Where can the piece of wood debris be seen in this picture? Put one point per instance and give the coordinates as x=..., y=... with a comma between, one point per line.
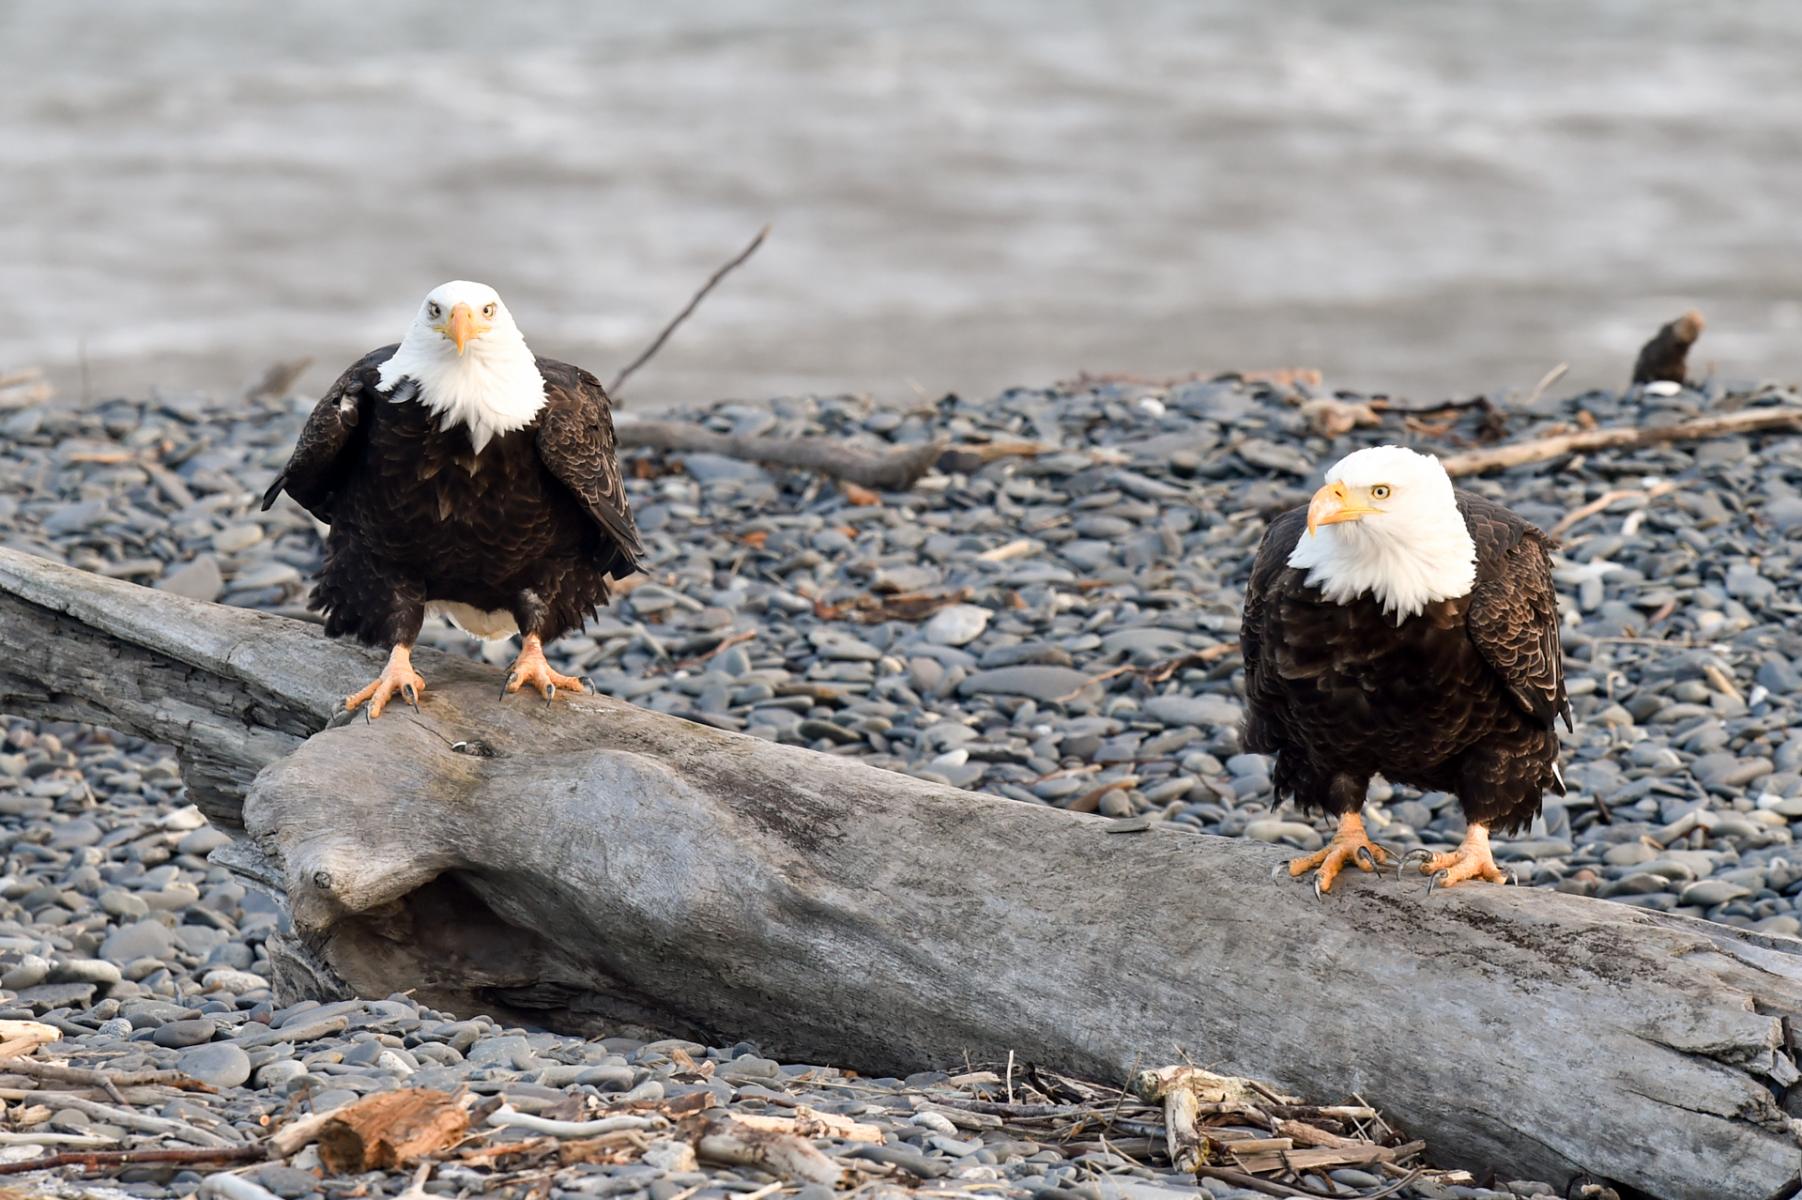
x=1332, y=417
x=1664, y=359
x=506, y=1115
x=723, y=1139
x=18, y=1038
x=809, y=1123
x=390, y=1129
x=890, y=469
x=1516, y=454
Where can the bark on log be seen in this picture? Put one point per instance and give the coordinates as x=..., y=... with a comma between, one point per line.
x=613, y=866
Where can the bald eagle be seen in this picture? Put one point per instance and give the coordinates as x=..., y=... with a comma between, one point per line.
x=1400, y=626
x=465, y=477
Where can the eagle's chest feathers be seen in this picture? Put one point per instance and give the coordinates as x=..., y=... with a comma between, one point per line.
x=485, y=394
x=1402, y=575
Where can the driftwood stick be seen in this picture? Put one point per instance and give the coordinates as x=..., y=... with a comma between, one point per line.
x=693, y=303
x=507, y=1115
x=1515, y=454
x=890, y=470
x=723, y=1139
x=95, y=1160
x=126, y=1118
x=299, y=1132
x=846, y=935
x=110, y=1081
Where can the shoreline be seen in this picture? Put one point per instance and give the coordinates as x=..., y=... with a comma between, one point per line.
x=1005, y=630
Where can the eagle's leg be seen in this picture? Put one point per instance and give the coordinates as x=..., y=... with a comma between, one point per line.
x=531, y=667
x=1471, y=860
x=1349, y=844
x=397, y=677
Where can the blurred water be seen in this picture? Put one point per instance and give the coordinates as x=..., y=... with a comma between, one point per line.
x=1428, y=196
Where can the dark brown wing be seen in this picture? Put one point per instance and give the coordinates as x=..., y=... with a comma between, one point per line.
x=316, y=468
x=1271, y=561
x=576, y=444
x=1513, y=613
x=1262, y=732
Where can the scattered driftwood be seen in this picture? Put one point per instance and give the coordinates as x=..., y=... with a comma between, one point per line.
x=693, y=302
x=889, y=470
x=578, y=879
x=390, y=1129
x=723, y=1139
x=1516, y=454
x=1664, y=359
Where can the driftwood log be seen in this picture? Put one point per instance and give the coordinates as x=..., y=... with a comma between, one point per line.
x=1616, y=437
x=607, y=866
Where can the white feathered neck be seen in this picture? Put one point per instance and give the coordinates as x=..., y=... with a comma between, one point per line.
x=1415, y=551
x=493, y=387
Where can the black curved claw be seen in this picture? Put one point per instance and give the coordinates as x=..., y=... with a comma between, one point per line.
x=1318, y=894
x=511, y=676
x=367, y=719
x=412, y=695
x=1437, y=879
x=1513, y=879
x=589, y=681
x=1423, y=857
x=1386, y=848
x=1365, y=858
x=550, y=693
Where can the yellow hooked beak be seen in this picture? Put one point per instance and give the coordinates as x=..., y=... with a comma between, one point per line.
x=462, y=327
x=1333, y=504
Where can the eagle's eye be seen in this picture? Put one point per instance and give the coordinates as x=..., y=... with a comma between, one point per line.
x=488, y=310
x=433, y=311
x=1380, y=492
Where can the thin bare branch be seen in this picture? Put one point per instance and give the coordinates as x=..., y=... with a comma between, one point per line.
x=693, y=302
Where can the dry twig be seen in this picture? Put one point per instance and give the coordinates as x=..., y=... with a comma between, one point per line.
x=693, y=302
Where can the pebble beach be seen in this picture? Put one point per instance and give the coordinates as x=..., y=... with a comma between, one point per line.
x=1057, y=627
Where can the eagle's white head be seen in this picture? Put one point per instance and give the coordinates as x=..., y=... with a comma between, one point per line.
x=1387, y=523
x=470, y=361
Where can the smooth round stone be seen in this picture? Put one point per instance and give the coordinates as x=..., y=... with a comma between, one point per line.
x=228, y=979
x=29, y=971
x=277, y=1075
x=181, y=1034
x=221, y=1064
x=202, y=842
x=957, y=625
x=142, y=939
x=117, y=902
x=87, y=970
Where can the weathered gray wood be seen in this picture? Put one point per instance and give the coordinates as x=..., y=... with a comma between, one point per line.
x=618, y=866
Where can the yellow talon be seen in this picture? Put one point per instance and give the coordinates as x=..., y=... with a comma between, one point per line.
x=1349, y=844
x=531, y=667
x=398, y=676
x=1471, y=860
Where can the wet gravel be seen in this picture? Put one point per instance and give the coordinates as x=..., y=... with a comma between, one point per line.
x=1022, y=628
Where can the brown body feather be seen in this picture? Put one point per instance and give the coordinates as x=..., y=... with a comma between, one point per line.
x=1460, y=698
x=533, y=526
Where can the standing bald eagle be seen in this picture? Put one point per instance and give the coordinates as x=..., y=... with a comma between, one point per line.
x=1399, y=626
x=461, y=475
